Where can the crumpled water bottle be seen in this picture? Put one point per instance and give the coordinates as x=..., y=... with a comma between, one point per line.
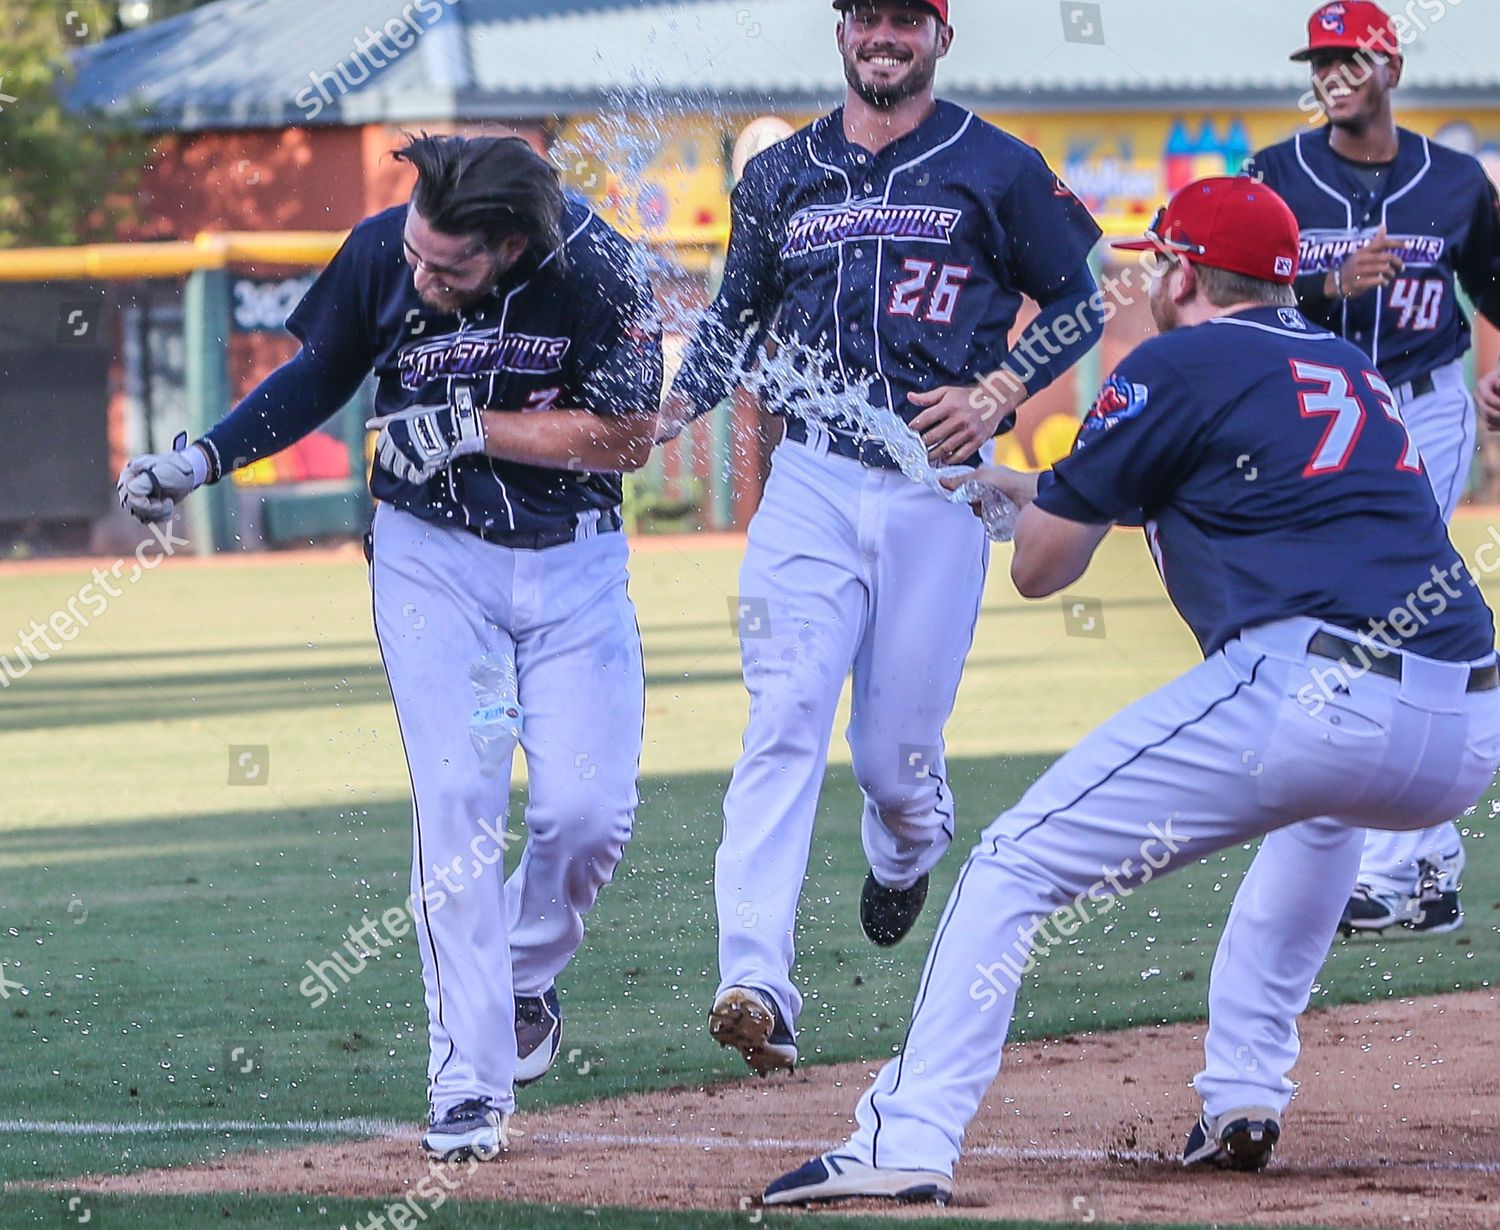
x=998, y=512
x=996, y=509
x=495, y=727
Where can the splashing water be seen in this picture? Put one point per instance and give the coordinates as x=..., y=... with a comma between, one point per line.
x=797, y=379
x=614, y=150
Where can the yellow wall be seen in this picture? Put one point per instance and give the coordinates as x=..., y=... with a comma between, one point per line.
x=676, y=187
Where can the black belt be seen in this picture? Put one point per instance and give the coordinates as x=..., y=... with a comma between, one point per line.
x=1352, y=653
x=865, y=451
x=541, y=540
x=1422, y=386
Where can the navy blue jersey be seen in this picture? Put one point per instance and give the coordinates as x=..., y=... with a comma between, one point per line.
x=1276, y=479
x=573, y=330
x=906, y=268
x=1437, y=203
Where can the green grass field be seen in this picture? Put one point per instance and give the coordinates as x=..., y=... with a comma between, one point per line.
x=156, y=920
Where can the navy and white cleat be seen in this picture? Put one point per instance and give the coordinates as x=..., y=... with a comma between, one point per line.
x=1240, y=1139
x=471, y=1129
x=538, y=1034
x=748, y=1019
x=837, y=1176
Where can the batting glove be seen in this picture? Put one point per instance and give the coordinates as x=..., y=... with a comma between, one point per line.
x=151, y=486
x=417, y=445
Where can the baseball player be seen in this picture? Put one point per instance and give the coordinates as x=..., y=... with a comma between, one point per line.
x=894, y=238
x=1306, y=720
x=518, y=361
x=1391, y=222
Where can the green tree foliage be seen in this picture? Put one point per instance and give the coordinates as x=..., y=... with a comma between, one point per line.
x=64, y=178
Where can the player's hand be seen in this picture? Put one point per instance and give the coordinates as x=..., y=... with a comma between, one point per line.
x=418, y=444
x=955, y=421
x=1018, y=486
x=1374, y=266
x=1489, y=399
x=676, y=413
x=151, y=485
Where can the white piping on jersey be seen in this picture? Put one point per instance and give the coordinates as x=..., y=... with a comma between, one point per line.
x=1320, y=335
x=1348, y=218
x=1384, y=213
x=890, y=397
x=817, y=430
x=510, y=510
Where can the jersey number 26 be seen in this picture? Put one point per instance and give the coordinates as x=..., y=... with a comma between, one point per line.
x=1325, y=390
x=909, y=295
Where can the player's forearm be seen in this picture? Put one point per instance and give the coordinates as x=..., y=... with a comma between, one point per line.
x=570, y=439
x=290, y=403
x=1067, y=328
x=1051, y=552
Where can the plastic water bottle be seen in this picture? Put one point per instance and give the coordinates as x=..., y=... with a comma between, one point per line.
x=998, y=513
x=996, y=509
x=495, y=728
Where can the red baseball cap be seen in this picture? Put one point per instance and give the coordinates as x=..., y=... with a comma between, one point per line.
x=940, y=7
x=1351, y=25
x=1227, y=222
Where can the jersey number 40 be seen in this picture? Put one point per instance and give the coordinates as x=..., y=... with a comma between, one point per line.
x=1329, y=391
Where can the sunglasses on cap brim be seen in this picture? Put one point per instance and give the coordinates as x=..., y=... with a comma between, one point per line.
x=1156, y=241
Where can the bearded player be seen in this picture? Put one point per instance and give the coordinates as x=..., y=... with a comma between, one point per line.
x=895, y=238
x=518, y=360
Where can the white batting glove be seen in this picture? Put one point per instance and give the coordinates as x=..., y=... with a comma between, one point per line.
x=418, y=444
x=151, y=486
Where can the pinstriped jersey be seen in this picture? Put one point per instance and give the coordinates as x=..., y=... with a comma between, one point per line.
x=574, y=330
x=1442, y=209
x=905, y=267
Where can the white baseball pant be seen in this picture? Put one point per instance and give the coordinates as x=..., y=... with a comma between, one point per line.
x=848, y=567
x=1443, y=424
x=1221, y=755
x=443, y=599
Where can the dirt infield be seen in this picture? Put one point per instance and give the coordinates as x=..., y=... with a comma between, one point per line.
x=1397, y=1124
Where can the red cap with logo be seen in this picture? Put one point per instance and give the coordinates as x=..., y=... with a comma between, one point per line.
x=1227, y=222
x=1352, y=25
x=940, y=7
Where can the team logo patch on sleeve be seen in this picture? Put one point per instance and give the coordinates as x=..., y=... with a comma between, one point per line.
x=1118, y=400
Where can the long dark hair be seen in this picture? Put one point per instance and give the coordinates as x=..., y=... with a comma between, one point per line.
x=490, y=187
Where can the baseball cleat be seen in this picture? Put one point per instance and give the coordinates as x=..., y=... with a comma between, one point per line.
x=749, y=1020
x=1437, y=909
x=837, y=1176
x=1433, y=909
x=1241, y=1139
x=538, y=1034
x=1370, y=910
x=472, y=1129
x=887, y=914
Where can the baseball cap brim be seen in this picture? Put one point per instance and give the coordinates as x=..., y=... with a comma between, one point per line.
x=940, y=7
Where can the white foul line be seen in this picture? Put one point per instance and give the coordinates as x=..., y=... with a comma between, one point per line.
x=404, y=1131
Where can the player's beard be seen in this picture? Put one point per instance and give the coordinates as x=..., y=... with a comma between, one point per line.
x=1163, y=310
x=920, y=76
x=455, y=301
